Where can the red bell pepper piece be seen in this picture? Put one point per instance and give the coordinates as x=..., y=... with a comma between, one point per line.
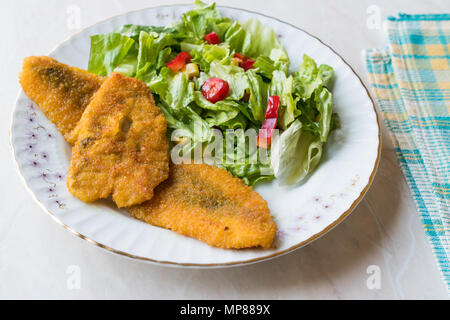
x=270, y=123
x=215, y=89
x=272, y=107
x=212, y=38
x=179, y=61
x=266, y=132
x=240, y=57
x=244, y=62
x=248, y=64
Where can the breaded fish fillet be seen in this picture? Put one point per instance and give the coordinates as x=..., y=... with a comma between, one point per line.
x=121, y=145
x=61, y=92
x=210, y=204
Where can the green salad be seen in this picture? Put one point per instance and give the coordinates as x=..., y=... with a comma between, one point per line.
x=210, y=72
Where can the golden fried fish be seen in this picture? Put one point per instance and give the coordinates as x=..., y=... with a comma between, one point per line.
x=210, y=204
x=121, y=146
x=61, y=92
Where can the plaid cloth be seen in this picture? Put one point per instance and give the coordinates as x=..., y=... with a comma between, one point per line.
x=411, y=82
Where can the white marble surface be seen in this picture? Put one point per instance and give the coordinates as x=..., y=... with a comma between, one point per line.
x=384, y=230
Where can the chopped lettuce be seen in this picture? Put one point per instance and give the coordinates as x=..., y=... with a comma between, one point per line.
x=154, y=49
x=282, y=86
x=204, y=54
x=235, y=76
x=217, y=114
x=134, y=31
x=309, y=78
x=305, y=116
x=235, y=36
x=128, y=65
x=107, y=52
x=251, y=173
x=258, y=95
x=247, y=162
x=326, y=74
x=178, y=91
x=324, y=104
x=202, y=19
x=267, y=66
x=295, y=154
x=261, y=40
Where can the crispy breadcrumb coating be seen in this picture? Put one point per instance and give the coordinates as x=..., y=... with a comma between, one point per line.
x=61, y=92
x=121, y=146
x=210, y=204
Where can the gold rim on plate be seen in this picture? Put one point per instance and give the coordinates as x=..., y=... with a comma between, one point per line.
x=227, y=264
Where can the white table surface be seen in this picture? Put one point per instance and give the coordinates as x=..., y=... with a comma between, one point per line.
x=384, y=230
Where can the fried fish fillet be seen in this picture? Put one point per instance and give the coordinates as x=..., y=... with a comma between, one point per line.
x=61, y=92
x=121, y=146
x=210, y=204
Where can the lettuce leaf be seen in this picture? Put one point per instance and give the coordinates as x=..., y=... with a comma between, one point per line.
x=204, y=18
x=204, y=54
x=179, y=92
x=258, y=95
x=107, y=52
x=282, y=86
x=310, y=77
x=250, y=173
x=128, y=66
x=152, y=48
x=295, y=154
x=217, y=113
x=326, y=74
x=266, y=66
x=235, y=36
x=175, y=94
x=261, y=40
x=133, y=31
x=316, y=105
x=235, y=76
x=246, y=162
x=324, y=104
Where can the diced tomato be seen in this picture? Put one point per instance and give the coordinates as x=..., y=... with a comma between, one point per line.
x=244, y=62
x=179, y=61
x=215, y=89
x=270, y=123
x=212, y=38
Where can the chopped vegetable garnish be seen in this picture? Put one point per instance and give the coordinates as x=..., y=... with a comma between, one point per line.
x=212, y=38
x=244, y=62
x=270, y=122
x=215, y=89
x=179, y=61
x=191, y=70
x=240, y=57
x=221, y=80
x=247, y=64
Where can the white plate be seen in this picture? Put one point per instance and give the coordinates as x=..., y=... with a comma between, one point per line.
x=302, y=213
